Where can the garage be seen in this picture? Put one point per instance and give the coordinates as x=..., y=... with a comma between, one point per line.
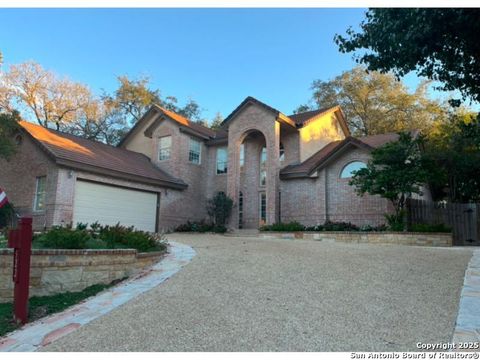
x=109, y=205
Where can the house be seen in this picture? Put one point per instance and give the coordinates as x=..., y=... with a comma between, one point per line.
x=275, y=167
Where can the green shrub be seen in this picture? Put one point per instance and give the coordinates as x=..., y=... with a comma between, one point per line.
x=291, y=226
x=200, y=226
x=339, y=226
x=63, y=238
x=442, y=228
x=220, y=229
x=100, y=237
x=396, y=222
x=7, y=213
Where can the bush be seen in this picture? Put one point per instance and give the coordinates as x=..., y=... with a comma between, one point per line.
x=442, y=228
x=64, y=238
x=100, y=237
x=396, y=222
x=339, y=226
x=6, y=215
x=200, y=226
x=291, y=226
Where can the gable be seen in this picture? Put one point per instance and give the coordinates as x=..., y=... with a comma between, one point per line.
x=320, y=131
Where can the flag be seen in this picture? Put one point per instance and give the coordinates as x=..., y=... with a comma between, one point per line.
x=3, y=198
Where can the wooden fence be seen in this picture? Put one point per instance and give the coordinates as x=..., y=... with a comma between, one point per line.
x=464, y=219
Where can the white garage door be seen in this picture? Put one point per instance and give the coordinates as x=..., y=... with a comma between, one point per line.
x=109, y=205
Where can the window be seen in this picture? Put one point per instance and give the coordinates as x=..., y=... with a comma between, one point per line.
x=348, y=170
x=240, y=210
x=222, y=160
x=242, y=155
x=164, y=147
x=194, y=154
x=39, y=201
x=263, y=170
x=282, y=152
x=263, y=208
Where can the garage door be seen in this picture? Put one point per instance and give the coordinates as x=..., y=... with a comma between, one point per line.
x=109, y=205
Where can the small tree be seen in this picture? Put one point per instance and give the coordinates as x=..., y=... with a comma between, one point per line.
x=395, y=172
x=219, y=209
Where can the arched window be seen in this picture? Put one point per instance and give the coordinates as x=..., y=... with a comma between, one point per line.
x=347, y=171
x=282, y=152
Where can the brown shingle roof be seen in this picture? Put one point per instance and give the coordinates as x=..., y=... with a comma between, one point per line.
x=76, y=152
x=320, y=158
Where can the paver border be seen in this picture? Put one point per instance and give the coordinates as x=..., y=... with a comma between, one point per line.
x=46, y=330
x=467, y=327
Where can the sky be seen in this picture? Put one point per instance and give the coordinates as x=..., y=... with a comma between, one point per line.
x=216, y=57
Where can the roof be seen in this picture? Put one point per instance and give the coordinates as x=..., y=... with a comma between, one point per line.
x=249, y=99
x=197, y=129
x=304, y=117
x=96, y=157
x=321, y=157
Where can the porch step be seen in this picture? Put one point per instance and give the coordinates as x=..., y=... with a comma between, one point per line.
x=243, y=233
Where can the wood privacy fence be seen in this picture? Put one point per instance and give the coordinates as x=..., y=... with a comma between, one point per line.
x=464, y=219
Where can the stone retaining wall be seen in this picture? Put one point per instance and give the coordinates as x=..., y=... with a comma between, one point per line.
x=397, y=238
x=56, y=271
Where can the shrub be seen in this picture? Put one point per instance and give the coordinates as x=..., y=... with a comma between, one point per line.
x=430, y=228
x=101, y=237
x=64, y=238
x=220, y=229
x=339, y=226
x=291, y=226
x=7, y=213
x=200, y=226
x=396, y=222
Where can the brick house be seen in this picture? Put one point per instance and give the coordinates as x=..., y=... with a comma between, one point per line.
x=275, y=167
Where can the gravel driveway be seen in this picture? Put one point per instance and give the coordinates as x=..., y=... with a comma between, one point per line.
x=248, y=294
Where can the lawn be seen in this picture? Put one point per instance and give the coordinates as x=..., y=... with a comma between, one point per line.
x=41, y=306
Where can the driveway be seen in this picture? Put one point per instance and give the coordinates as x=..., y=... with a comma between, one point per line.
x=248, y=294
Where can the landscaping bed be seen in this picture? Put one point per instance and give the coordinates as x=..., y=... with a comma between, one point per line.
x=41, y=306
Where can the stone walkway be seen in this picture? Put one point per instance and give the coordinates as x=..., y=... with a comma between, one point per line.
x=42, y=332
x=467, y=328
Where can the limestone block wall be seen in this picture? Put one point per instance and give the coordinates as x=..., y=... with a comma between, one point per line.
x=394, y=238
x=57, y=271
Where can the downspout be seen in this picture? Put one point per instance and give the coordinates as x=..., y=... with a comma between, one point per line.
x=326, y=194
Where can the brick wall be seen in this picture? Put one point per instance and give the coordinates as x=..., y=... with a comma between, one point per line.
x=18, y=179
x=57, y=271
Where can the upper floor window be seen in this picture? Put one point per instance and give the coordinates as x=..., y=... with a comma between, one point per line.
x=195, y=151
x=263, y=156
x=263, y=169
x=282, y=152
x=242, y=155
x=347, y=171
x=222, y=160
x=40, y=193
x=164, y=147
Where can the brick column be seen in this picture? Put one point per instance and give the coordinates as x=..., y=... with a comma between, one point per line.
x=273, y=173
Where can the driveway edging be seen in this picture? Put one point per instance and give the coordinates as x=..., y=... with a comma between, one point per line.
x=46, y=330
x=467, y=327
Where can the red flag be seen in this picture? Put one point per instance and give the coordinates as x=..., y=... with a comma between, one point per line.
x=3, y=198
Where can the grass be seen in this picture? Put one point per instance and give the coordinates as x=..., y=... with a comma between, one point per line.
x=40, y=306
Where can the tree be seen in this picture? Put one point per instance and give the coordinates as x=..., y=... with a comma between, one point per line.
x=375, y=103
x=217, y=121
x=49, y=98
x=134, y=97
x=219, y=209
x=395, y=172
x=454, y=147
x=8, y=126
x=440, y=44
